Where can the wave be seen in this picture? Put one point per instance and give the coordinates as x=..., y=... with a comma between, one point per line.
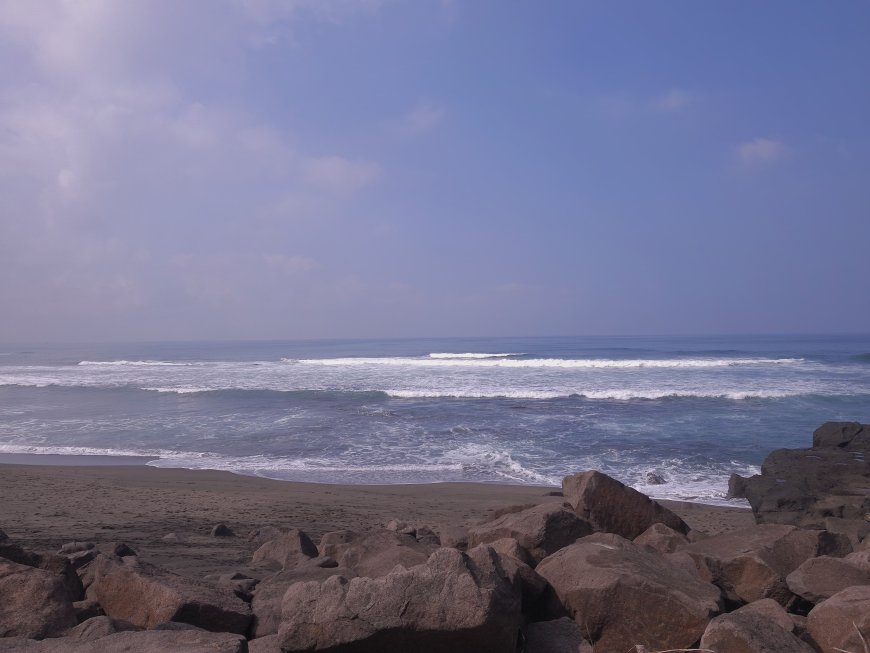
x=468, y=355
x=617, y=395
x=549, y=362
x=135, y=363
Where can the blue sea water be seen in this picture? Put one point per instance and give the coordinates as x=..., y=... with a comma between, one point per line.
x=518, y=410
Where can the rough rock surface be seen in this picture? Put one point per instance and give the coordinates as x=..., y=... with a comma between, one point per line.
x=454, y=602
x=835, y=623
x=146, y=596
x=541, y=530
x=613, y=507
x=820, y=578
x=286, y=550
x=266, y=602
x=144, y=641
x=747, y=632
x=378, y=553
x=268, y=644
x=33, y=602
x=661, y=538
x=751, y=563
x=556, y=636
x=622, y=594
x=98, y=627
x=335, y=542
x=770, y=610
x=55, y=564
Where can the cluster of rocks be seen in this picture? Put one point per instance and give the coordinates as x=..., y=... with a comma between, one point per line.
x=608, y=570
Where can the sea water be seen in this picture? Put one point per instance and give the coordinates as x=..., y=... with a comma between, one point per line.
x=510, y=410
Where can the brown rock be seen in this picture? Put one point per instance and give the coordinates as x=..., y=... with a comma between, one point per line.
x=145, y=641
x=378, y=553
x=34, y=602
x=751, y=563
x=623, y=594
x=748, y=632
x=286, y=550
x=55, y=564
x=770, y=610
x=334, y=543
x=820, y=578
x=97, y=627
x=661, y=538
x=613, y=507
x=262, y=535
x=268, y=644
x=455, y=537
x=146, y=596
x=266, y=601
x=557, y=636
x=836, y=623
x=859, y=559
x=87, y=610
x=541, y=530
x=454, y=602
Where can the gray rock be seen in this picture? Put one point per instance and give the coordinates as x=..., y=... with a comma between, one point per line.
x=222, y=530
x=35, y=602
x=540, y=530
x=622, y=594
x=613, y=507
x=455, y=602
x=655, y=479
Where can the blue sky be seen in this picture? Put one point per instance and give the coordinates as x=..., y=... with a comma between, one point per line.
x=298, y=169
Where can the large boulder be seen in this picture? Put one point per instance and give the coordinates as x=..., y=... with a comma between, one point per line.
x=378, y=553
x=842, y=435
x=557, y=636
x=820, y=578
x=266, y=601
x=34, y=603
x=334, y=543
x=454, y=602
x=752, y=563
x=842, y=621
x=97, y=627
x=613, y=507
x=286, y=550
x=623, y=594
x=146, y=595
x=145, y=641
x=747, y=632
x=55, y=564
x=661, y=538
x=540, y=530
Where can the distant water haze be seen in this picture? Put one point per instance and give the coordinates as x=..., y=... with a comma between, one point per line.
x=524, y=410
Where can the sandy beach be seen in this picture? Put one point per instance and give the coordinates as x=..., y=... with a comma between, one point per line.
x=44, y=506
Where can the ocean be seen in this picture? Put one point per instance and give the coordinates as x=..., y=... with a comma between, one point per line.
x=691, y=410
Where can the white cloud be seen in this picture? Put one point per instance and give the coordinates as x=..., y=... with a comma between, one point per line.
x=761, y=151
x=336, y=173
x=673, y=99
x=421, y=119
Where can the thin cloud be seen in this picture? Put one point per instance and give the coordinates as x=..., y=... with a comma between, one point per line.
x=336, y=173
x=673, y=100
x=761, y=151
x=421, y=119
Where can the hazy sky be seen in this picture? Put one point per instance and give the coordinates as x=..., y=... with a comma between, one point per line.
x=340, y=168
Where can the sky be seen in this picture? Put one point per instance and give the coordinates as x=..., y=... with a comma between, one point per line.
x=265, y=169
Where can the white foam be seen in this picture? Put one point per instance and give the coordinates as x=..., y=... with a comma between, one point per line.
x=440, y=355
x=587, y=363
x=614, y=394
x=136, y=363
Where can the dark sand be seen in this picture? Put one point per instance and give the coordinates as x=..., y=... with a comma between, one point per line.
x=43, y=506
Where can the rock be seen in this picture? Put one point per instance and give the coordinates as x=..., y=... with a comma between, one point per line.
x=398, y=526
x=655, y=479
x=751, y=563
x=516, y=561
x=736, y=487
x=454, y=602
x=334, y=543
x=820, y=578
x=859, y=559
x=120, y=549
x=840, y=435
x=286, y=550
x=266, y=601
x=378, y=553
x=222, y=530
x=87, y=610
x=263, y=534
x=146, y=596
x=171, y=537
x=770, y=610
x=145, y=641
x=3, y=535
x=613, y=507
x=97, y=627
x=541, y=530
x=855, y=529
x=175, y=626
x=268, y=644
x=54, y=564
x=241, y=584
x=622, y=594
x=35, y=602
x=557, y=636
x=455, y=537
x=748, y=632
x=80, y=559
x=427, y=536
x=661, y=538
x=75, y=547
x=835, y=623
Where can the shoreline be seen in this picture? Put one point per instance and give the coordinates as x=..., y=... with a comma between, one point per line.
x=47, y=505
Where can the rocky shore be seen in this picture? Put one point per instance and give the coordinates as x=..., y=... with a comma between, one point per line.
x=133, y=565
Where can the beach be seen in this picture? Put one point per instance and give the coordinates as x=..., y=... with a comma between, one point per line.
x=45, y=506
